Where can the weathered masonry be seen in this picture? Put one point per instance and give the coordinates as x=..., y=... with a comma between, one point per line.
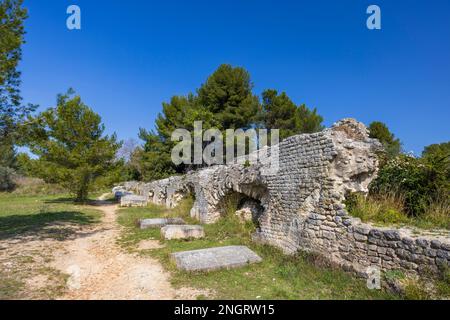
x=300, y=207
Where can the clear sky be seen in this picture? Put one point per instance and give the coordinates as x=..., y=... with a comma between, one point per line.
x=130, y=56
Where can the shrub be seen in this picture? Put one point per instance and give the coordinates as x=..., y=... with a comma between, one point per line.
x=6, y=179
x=385, y=209
x=388, y=209
x=437, y=159
x=409, y=179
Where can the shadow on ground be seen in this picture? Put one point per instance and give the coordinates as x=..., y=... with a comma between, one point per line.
x=90, y=202
x=55, y=225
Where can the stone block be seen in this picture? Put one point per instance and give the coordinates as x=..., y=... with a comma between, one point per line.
x=133, y=201
x=170, y=232
x=392, y=235
x=159, y=222
x=360, y=237
x=215, y=258
x=435, y=244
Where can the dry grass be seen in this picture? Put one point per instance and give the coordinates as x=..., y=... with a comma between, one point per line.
x=438, y=214
x=383, y=209
x=34, y=186
x=388, y=210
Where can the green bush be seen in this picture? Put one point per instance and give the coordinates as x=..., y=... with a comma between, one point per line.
x=411, y=179
x=437, y=159
x=6, y=179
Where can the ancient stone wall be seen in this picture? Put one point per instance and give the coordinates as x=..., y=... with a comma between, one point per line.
x=302, y=203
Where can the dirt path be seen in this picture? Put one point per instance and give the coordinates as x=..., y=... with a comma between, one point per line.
x=100, y=270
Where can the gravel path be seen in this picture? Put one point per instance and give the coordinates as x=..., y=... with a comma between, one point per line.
x=99, y=269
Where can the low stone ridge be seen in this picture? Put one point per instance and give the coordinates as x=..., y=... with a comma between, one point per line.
x=159, y=222
x=170, y=232
x=215, y=258
x=133, y=200
x=301, y=206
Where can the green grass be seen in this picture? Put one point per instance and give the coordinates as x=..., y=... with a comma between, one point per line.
x=25, y=218
x=427, y=287
x=41, y=216
x=278, y=277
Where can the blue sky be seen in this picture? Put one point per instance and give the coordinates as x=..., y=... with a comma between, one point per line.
x=130, y=56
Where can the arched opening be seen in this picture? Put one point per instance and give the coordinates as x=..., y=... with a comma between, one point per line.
x=242, y=206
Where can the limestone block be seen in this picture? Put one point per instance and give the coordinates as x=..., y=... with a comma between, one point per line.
x=159, y=222
x=133, y=201
x=170, y=232
x=215, y=258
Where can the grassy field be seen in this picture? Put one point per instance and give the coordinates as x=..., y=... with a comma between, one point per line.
x=27, y=225
x=41, y=216
x=277, y=277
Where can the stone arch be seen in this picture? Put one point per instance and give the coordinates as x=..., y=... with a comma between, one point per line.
x=179, y=191
x=247, y=201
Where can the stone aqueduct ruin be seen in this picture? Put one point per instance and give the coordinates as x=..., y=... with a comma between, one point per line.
x=301, y=206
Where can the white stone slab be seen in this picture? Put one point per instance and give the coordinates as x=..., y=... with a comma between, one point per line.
x=159, y=222
x=133, y=201
x=170, y=232
x=215, y=258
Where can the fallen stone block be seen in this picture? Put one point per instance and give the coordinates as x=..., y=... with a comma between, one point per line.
x=159, y=222
x=170, y=232
x=120, y=191
x=133, y=201
x=118, y=194
x=118, y=188
x=215, y=258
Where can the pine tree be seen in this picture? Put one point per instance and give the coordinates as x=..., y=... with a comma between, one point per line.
x=72, y=148
x=12, y=111
x=12, y=16
x=227, y=93
x=380, y=131
x=279, y=112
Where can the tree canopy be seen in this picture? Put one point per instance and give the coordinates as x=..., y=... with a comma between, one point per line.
x=12, y=111
x=227, y=93
x=380, y=131
x=224, y=101
x=279, y=112
x=437, y=159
